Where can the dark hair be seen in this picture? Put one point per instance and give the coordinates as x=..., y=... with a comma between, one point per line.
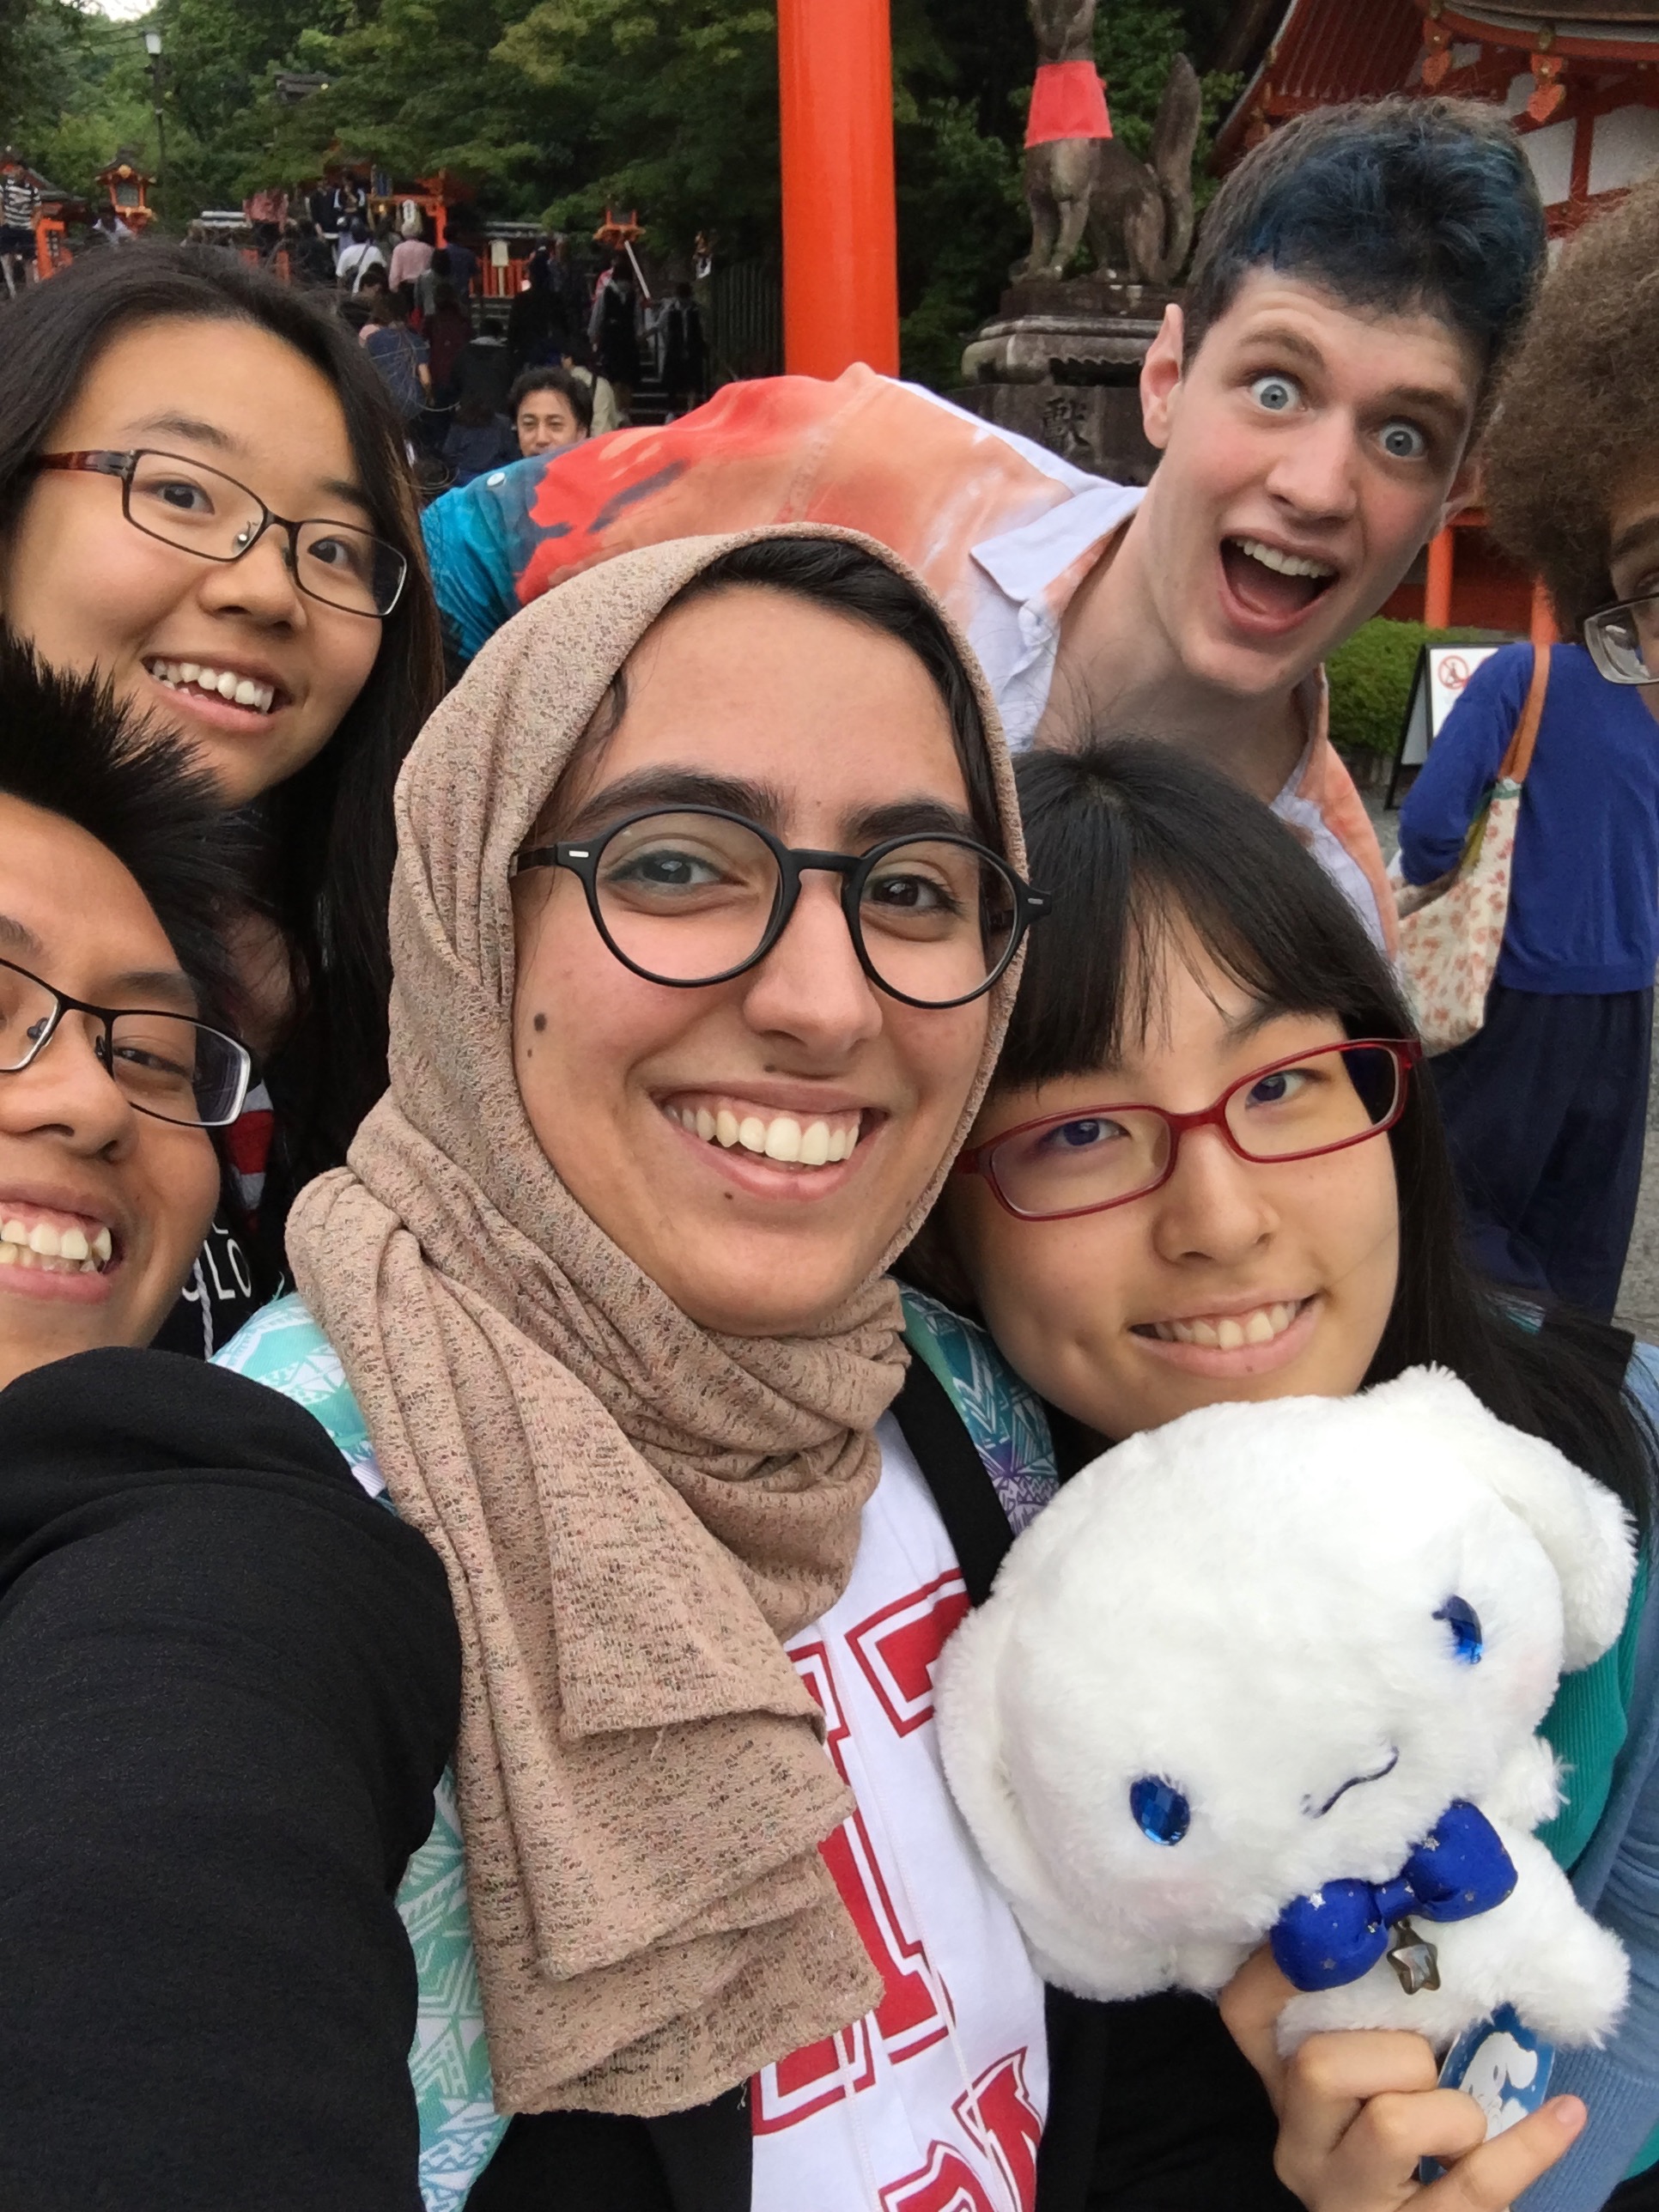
x=359, y=231
x=441, y=262
x=388, y=309
x=553, y=379
x=1398, y=203
x=1578, y=417
x=1140, y=847
x=71, y=751
x=327, y=837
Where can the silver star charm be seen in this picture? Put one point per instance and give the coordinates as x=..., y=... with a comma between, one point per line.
x=1414, y=1959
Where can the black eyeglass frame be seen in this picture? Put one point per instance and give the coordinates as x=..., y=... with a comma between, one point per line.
x=111, y=461
x=62, y=1003
x=1406, y=1053
x=581, y=856
x=1595, y=643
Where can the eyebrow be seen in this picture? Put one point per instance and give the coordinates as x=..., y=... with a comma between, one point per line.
x=1635, y=537
x=17, y=937
x=1254, y=1017
x=649, y=787
x=920, y=816
x=169, y=424
x=170, y=983
x=159, y=982
x=1283, y=338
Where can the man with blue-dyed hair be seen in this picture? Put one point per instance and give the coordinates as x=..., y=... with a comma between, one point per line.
x=1359, y=277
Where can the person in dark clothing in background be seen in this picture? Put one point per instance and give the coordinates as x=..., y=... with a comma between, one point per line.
x=228, y=1680
x=1547, y=1105
x=614, y=331
x=311, y=257
x=447, y=328
x=684, y=357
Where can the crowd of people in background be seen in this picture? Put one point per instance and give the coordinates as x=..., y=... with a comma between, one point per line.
x=457, y=377
x=597, y=1012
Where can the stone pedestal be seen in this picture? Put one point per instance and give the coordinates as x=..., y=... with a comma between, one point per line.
x=1060, y=363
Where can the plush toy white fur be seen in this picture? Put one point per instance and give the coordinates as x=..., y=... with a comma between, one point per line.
x=1248, y=1606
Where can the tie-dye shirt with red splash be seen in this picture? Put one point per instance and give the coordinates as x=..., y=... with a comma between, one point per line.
x=1002, y=530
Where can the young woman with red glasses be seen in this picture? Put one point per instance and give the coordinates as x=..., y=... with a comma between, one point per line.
x=1209, y=1169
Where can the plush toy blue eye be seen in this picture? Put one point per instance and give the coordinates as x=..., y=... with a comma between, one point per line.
x=1464, y=1622
x=1160, y=1810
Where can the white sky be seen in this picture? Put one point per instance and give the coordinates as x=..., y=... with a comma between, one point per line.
x=124, y=10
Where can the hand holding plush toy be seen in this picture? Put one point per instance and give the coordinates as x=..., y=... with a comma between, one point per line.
x=1275, y=1672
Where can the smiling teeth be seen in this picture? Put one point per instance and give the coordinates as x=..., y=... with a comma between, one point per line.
x=241, y=690
x=1230, y=1332
x=784, y=1139
x=1287, y=565
x=57, y=1251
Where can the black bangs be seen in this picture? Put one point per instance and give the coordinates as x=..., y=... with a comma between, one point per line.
x=1145, y=853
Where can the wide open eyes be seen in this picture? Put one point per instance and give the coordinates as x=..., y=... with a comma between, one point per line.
x=1160, y=1810
x=1464, y=1622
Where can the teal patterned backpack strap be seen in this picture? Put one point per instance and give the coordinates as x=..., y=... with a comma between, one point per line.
x=1003, y=1416
x=449, y=2061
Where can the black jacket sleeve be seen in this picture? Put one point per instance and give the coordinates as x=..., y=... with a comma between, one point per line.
x=228, y=1683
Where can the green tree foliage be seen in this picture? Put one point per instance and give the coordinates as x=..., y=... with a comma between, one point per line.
x=555, y=109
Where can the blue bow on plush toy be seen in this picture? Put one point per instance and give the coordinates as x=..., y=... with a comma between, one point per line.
x=1339, y=1933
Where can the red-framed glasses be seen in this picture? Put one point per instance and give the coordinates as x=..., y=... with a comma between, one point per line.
x=1091, y=1158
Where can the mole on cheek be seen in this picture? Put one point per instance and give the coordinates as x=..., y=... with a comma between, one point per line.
x=540, y=1023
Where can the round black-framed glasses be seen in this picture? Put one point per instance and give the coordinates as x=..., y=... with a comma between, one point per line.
x=1090, y=1158
x=165, y=1065
x=691, y=895
x=197, y=509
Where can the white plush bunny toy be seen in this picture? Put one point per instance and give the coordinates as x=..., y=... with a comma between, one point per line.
x=1275, y=1671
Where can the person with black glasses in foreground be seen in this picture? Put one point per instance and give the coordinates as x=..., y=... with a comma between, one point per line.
x=227, y=1680
x=203, y=497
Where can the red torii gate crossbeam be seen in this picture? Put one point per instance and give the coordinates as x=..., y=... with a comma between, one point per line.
x=840, y=226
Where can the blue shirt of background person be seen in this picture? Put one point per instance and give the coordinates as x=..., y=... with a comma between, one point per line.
x=1549, y=1195
x=1584, y=885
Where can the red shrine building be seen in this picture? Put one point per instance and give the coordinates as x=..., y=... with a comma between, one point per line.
x=1579, y=78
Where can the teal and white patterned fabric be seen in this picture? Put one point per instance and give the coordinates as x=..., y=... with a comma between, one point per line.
x=283, y=1347
x=1003, y=1415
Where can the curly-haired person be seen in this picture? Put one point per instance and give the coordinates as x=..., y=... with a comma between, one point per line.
x=1572, y=487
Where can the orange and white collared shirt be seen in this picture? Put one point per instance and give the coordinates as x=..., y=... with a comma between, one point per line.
x=1001, y=530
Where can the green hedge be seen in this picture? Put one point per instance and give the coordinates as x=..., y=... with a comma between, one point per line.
x=1371, y=680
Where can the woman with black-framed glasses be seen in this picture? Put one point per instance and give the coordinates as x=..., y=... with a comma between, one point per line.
x=709, y=903
x=1210, y=1169
x=204, y=496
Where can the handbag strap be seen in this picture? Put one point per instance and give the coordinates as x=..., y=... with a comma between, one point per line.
x=1518, y=759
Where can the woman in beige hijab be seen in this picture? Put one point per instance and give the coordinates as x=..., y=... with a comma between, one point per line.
x=705, y=927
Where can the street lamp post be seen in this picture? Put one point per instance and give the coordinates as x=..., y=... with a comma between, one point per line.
x=153, y=48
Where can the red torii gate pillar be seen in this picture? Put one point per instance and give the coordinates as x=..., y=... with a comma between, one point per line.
x=840, y=226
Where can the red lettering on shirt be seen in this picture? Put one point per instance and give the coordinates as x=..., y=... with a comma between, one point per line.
x=897, y=1648
x=946, y=2183
x=1002, y=2120
x=908, y=2019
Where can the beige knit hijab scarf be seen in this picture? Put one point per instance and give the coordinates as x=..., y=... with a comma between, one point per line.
x=632, y=1512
